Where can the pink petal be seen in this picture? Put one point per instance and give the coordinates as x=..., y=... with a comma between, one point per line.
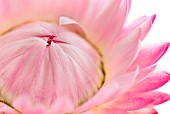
x=61, y=106
x=30, y=10
x=23, y=104
x=111, y=90
x=131, y=102
x=4, y=109
x=21, y=11
x=145, y=23
x=145, y=111
x=135, y=101
x=153, y=81
x=150, y=55
x=54, y=73
x=158, y=97
x=121, y=55
x=72, y=25
x=143, y=73
x=101, y=110
x=101, y=28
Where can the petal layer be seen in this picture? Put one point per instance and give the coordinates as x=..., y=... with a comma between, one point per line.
x=145, y=23
x=112, y=89
x=152, y=82
x=135, y=101
x=54, y=73
x=150, y=55
x=121, y=55
x=145, y=111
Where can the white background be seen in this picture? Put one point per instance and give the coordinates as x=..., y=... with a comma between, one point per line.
x=160, y=32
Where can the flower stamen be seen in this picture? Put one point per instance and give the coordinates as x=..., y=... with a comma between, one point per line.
x=51, y=39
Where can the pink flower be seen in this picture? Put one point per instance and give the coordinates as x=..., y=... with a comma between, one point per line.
x=77, y=57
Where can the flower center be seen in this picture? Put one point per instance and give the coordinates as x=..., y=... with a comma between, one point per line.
x=50, y=39
x=48, y=62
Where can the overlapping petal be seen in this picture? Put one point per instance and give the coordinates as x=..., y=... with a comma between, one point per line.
x=112, y=89
x=83, y=12
x=143, y=73
x=152, y=82
x=44, y=10
x=144, y=111
x=20, y=50
x=150, y=55
x=122, y=54
x=145, y=23
x=135, y=101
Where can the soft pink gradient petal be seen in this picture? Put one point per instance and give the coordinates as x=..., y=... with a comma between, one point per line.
x=101, y=110
x=135, y=101
x=143, y=73
x=150, y=55
x=24, y=105
x=72, y=25
x=102, y=28
x=121, y=55
x=145, y=23
x=61, y=106
x=72, y=64
x=4, y=109
x=158, y=97
x=31, y=10
x=131, y=102
x=112, y=89
x=152, y=82
x=144, y=111
x=99, y=30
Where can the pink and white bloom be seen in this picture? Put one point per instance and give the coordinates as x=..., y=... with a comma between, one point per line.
x=77, y=57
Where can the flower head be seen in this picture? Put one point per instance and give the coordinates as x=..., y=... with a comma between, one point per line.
x=77, y=57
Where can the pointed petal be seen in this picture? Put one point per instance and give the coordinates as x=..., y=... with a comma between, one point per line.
x=121, y=54
x=101, y=28
x=150, y=55
x=110, y=90
x=145, y=111
x=152, y=82
x=145, y=23
x=158, y=97
x=143, y=73
x=132, y=102
x=135, y=101
x=72, y=25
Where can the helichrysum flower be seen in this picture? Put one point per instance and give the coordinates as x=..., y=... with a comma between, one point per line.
x=77, y=56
